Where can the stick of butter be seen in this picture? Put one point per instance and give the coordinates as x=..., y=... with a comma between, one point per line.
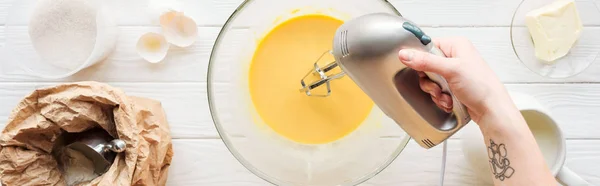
x=554, y=29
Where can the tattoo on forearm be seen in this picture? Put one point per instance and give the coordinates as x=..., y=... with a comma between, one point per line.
x=499, y=162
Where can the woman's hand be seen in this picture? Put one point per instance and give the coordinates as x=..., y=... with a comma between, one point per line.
x=476, y=86
x=469, y=77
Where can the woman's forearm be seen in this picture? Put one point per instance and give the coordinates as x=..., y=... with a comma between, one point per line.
x=513, y=154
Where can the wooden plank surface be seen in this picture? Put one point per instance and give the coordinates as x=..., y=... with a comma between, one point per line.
x=573, y=105
x=459, y=13
x=207, y=162
x=582, y=156
x=190, y=64
x=133, y=12
x=201, y=157
x=180, y=65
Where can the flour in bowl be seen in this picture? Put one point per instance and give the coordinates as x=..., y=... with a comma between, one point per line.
x=63, y=32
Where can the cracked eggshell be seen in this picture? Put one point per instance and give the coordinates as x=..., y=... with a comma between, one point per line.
x=152, y=47
x=179, y=29
x=156, y=8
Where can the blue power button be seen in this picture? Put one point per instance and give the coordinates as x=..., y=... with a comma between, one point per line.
x=425, y=39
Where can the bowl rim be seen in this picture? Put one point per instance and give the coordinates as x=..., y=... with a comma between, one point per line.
x=239, y=157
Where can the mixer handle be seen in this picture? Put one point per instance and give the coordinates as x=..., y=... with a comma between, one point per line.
x=458, y=109
x=435, y=77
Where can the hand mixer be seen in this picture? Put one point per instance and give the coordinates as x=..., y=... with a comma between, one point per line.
x=366, y=49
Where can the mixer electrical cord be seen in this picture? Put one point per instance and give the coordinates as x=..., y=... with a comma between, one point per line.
x=443, y=163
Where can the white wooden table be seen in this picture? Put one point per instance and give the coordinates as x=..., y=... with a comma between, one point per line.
x=201, y=157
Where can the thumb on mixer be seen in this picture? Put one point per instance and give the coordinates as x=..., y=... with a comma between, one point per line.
x=427, y=62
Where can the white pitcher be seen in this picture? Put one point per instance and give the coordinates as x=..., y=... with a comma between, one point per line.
x=546, y=132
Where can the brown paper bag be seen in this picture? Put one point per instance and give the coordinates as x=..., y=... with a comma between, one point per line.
x=35, y=125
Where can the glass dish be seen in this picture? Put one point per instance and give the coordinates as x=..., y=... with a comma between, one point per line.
x=348, y=161
x=580, y=57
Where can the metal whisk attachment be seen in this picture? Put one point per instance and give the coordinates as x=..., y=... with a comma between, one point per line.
x=324, y=77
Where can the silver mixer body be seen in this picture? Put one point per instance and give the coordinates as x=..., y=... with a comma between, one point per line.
x=366, y=48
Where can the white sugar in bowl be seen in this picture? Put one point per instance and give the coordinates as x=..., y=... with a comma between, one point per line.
x=57, y=38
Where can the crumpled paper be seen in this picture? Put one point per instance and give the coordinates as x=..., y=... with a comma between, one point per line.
x=35, y=125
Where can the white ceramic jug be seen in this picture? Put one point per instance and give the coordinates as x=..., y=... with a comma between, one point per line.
x=544, y=128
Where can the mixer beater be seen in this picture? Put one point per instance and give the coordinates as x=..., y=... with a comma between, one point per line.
x=325, y=76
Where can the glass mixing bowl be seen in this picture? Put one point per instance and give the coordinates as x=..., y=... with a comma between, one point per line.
x=347, y=161
x=583, y=53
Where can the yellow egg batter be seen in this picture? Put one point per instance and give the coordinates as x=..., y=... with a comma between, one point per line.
x=281, y=59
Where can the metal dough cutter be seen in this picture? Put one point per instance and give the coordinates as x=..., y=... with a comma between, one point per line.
x=366, y=49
